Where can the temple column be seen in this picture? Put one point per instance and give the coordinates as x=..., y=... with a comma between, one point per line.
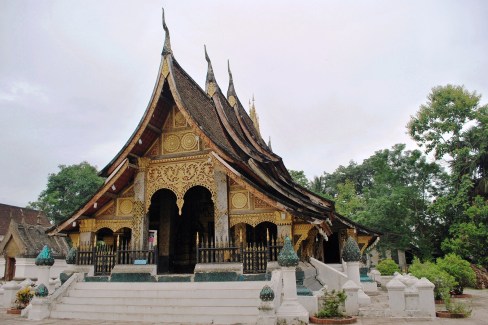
x=140, y=218
x=221, y=208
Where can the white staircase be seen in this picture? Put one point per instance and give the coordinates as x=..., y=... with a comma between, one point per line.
x=182, y=302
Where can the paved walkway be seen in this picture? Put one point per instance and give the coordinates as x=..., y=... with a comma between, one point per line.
x=479, y=303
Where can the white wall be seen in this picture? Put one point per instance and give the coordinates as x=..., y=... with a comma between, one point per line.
x=26, y=268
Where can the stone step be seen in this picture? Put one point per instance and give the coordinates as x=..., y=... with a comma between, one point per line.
x=184, y=286
x=372, y=312
x=157, y=318
x=244, y=302
x=160, y=310
x=175, y=294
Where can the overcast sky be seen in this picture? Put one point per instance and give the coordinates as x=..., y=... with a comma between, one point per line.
x=333, y=80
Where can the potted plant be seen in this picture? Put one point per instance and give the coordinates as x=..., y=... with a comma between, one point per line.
x=453, y=309
x=23, y=298
x=331, y=311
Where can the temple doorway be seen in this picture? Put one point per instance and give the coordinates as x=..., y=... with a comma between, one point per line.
x=176, y=234
x=332, y=252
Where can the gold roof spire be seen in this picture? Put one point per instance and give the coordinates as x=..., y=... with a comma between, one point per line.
x=231, y=92
x=254, y=115
x=210, y=84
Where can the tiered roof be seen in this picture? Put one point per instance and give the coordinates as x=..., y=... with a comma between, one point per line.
x=226, y=128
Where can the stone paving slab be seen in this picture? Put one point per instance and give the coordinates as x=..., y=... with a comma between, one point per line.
x=479, y=303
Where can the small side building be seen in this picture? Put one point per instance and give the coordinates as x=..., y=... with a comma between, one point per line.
x=22, y=240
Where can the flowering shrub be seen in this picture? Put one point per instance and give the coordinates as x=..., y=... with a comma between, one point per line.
x=24, y=296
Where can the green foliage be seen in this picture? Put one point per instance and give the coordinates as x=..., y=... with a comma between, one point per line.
x=67, y=190
x=459, y=269
x=348, y=202
x=24, y=296
x=387, y=267
x=469, y=239
x=333, y=302
x=443, y=281
x=458, y=308
x=350, y=251
x=299, y=177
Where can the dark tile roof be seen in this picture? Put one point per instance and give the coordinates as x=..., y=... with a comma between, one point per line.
x=30, y=216
x=34, y=238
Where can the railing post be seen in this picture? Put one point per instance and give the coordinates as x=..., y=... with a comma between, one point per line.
x=197, y=243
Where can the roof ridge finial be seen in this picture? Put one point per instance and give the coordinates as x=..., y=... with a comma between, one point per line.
x=210, y=84
x=167, y=43
x=254, y=115
x=231, y=92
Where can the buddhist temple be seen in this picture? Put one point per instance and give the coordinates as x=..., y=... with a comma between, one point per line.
x=195, y=177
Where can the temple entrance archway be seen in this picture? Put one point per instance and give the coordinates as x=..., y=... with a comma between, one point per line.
x=176, y=234
x=105, y=236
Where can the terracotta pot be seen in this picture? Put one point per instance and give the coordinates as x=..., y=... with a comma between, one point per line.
x=14, y=311
x=343, y=320
x=447, y=314
x=439, y=302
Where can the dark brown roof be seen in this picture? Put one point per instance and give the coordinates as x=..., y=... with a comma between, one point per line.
x=30, y=216
x=33, y=238
x=228, y=131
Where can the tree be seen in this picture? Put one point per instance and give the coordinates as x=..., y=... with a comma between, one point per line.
x=299, y=177
x=454, y=126
x=67, y=190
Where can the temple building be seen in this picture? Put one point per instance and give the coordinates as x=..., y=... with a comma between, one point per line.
x=22, y=236
x=197, y=172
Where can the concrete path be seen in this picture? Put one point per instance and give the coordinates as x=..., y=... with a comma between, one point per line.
x=479, y=303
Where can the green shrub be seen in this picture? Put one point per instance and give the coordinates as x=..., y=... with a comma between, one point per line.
x=459, y=269
x=332, y=305
x=443, y=281
x=388, y=267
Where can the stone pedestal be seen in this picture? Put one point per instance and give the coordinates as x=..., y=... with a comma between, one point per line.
x=266, y=313
x=290, y=310
x=9, y=293
x=396, y=297
x=352, y=303
x=43, y=275
x=426, y=297
x=352, y=271
x=39, y=309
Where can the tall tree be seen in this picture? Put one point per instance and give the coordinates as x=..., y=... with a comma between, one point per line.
x=454, y=126
x=299, y=177
x=67, y=190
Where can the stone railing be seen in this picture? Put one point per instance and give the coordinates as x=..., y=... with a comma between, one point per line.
x=328, y=275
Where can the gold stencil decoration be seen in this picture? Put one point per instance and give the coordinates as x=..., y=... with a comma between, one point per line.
x=109, y=211
x=179, y=176
x=113, y=225
x=179, y=119
x=138, y=217
x=171, y=143
x=260, y=204
x=189, y=141
x=211, y=89
x=301, y=230
x=124, y=206
x=154, y=149
x=252, y=219
x=232, y=101
x=239, y=200
x=165, y=68
x=87, y=225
